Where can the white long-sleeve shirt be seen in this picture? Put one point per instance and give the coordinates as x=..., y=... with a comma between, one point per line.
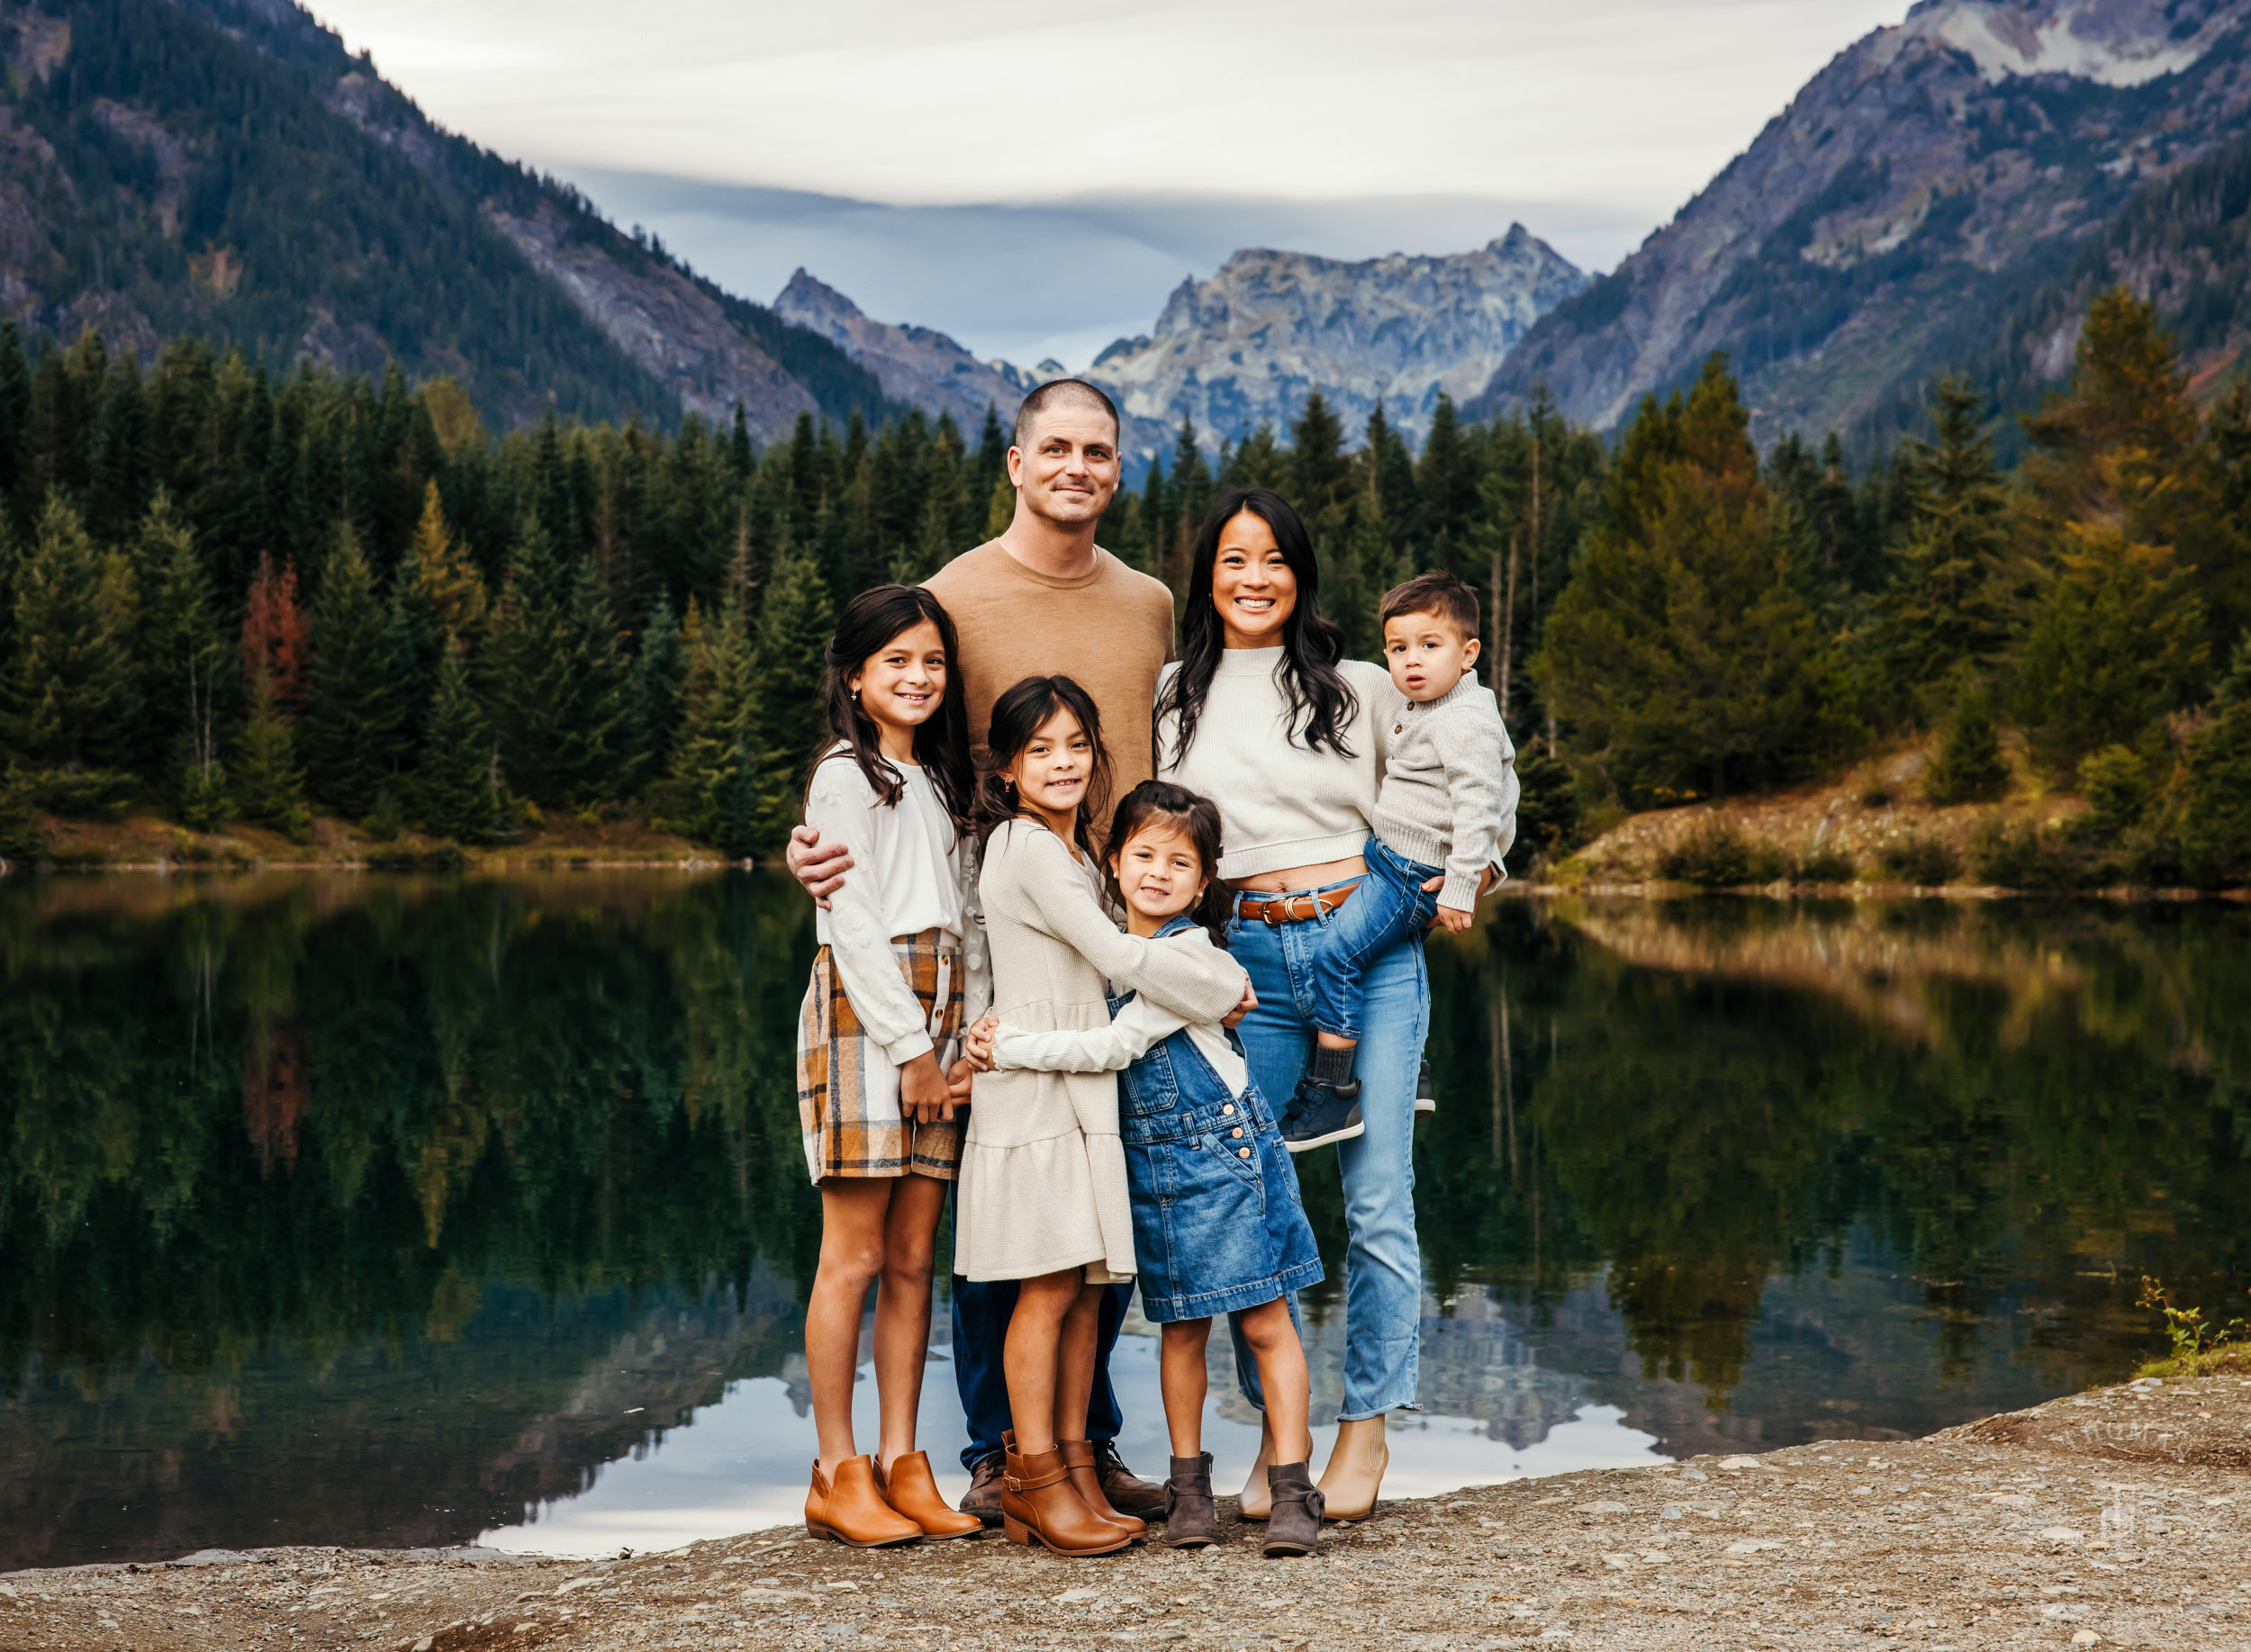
x=1135, y=1030
x=909, y=873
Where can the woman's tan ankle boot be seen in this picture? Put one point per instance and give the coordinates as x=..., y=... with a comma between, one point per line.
x=1037, y=1505
x=911, y=1489
x=1086, y=1479
x=1354, y=1476
x=850, y=1509
x=1258, y=1497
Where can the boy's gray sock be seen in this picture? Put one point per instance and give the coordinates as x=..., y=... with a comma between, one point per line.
x=1333, y=1066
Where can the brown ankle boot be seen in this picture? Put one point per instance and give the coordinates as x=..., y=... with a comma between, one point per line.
x=1038, y=1503
x=1086, y=1479
x=1295, y=1526
x=1191, y=1520
x=909, y=1488
x=852, y=1511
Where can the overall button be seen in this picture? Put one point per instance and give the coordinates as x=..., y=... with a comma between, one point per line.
x=1230, y=1107
x=1242, y=1152
x=1238, y=1132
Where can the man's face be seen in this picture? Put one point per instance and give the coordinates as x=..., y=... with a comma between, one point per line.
x=1070, y=472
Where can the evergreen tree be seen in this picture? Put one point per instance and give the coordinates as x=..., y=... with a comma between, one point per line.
x=1969, y=767
x=2115, y=643
x=118, y=472
x=1260, y=463
x=457, y=788
x=717, y=723
x=268, y=787
x=1681, y=651
x=186, y=682
x=67, y=699
x=1946, y=605
x=349, y=733
x=561, y=682
x=1448, y=475
x=444, y=583
x=1320, y=475
x=15, y=410
x=659, y=671
x=793, y=630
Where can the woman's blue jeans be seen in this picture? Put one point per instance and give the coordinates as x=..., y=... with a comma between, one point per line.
x=1383, y=1262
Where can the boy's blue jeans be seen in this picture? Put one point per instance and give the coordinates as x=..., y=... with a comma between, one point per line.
x=1387, y=908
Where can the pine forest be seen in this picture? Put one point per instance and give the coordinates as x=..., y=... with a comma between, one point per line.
x=346, y=613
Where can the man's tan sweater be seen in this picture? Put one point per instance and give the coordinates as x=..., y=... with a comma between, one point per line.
x=1109, y=630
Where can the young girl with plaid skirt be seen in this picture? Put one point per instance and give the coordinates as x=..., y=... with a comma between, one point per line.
x=878, y=1080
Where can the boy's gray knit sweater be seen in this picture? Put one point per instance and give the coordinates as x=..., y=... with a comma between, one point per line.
x=1449, y=795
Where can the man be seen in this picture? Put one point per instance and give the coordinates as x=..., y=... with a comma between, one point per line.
x=1044, y=599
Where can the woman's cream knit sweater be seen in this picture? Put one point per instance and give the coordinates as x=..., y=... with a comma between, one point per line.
x=1042, y=1175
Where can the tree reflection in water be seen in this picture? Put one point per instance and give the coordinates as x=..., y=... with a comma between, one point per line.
x=369, y=1210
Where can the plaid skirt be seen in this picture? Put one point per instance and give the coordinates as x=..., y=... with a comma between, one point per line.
x=847, y=1090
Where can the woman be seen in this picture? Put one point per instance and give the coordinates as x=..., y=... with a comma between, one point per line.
x=1264, y=716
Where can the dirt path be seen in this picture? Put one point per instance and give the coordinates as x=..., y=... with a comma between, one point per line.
x=2119, y=1517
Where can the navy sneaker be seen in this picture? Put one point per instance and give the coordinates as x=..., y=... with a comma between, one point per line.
x=1424, y=1102
x=1322, y=1114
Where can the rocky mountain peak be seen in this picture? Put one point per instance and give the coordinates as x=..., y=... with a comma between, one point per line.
x=1249, y=344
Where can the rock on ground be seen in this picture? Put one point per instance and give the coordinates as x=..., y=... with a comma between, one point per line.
x=2121, y=1517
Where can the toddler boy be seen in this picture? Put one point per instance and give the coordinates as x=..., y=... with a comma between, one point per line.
x=1446, y=811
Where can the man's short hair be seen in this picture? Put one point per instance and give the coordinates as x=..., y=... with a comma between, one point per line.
x=1063, y=393
x=1434, y=592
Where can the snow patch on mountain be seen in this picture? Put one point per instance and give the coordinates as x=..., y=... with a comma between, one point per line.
x=2112, y=44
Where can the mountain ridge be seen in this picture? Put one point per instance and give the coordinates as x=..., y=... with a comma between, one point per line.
x=1248, y=344
x=1930, y=178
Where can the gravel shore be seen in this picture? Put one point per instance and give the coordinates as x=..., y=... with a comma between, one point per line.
x=2120, y=1517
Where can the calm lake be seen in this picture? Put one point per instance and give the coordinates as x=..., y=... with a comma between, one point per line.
x=391, y=1211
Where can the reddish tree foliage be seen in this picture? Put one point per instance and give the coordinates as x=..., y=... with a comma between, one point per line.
x=274, y=639
x=276, y=1087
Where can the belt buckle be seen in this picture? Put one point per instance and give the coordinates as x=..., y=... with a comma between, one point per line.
x=1269, y=910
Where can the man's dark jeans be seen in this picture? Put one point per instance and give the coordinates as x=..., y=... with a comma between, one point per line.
x=981, y=1328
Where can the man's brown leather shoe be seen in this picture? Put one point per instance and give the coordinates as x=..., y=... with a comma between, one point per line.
x=983, y=1497
x=1128, y=1492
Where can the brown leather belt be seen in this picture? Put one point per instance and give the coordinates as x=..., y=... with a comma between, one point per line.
x=1274, y=911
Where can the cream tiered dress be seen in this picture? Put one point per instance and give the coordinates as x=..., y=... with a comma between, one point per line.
x=1043, y=1184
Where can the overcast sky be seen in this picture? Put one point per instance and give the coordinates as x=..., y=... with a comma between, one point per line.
x=1374, y=125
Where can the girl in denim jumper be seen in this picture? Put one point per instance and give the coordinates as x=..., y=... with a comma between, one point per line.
x=1219, y=1226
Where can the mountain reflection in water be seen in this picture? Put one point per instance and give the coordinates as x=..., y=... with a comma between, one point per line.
x=363, y=1210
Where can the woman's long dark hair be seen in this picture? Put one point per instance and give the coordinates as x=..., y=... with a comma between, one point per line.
x=1319, y=697
x=1017, y=716
x=870, y=623
x=1196, y=818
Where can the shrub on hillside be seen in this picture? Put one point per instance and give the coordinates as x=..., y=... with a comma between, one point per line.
x=2020, y=854
x=2216, y=822
x=1718, y=855
x=1923, y=861
x=1969, y=767
x=1827, y=866
x=1547, y=809
x=20, y=836
x=2117, y=784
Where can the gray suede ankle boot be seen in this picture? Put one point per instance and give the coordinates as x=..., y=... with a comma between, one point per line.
x=1191, y=1520
x=1295, y=1526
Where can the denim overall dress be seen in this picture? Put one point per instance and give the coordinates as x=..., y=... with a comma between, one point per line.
x=1218, y=1224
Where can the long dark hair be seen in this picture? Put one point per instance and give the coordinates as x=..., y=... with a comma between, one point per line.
x=869, y=624
x=1161, y=802
x=1017, y=716
x=1319, y=697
